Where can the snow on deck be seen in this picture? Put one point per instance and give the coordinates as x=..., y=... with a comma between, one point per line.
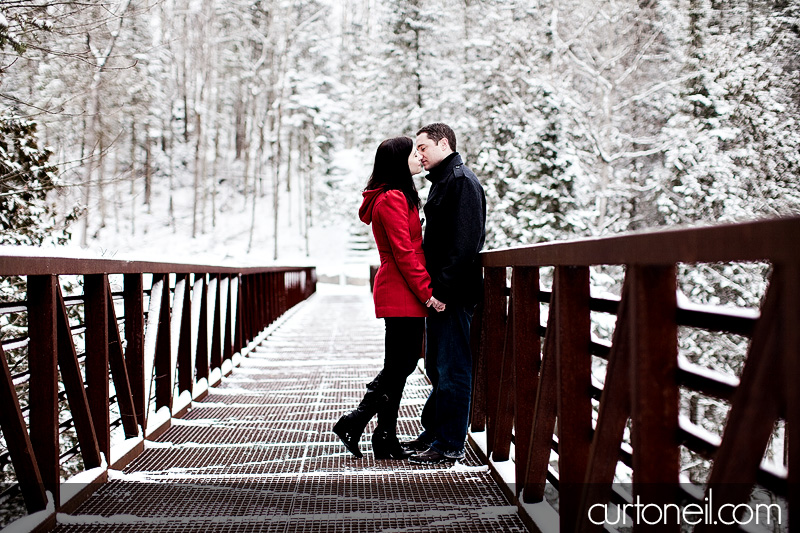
x=257, y=453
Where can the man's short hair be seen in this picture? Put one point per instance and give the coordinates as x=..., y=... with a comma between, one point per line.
x=438, y=131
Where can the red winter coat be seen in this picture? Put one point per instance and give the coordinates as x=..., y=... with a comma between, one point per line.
x=402, y=285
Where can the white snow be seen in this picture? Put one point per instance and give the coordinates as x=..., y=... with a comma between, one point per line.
x=119, y=450
x=200, y=387
x=81, y=480
x=155, y=421
x=32, y=521
x=181, y=402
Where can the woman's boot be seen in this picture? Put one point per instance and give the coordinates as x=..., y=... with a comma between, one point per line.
x=386, y=446
x=351, y=426
x=384, y=439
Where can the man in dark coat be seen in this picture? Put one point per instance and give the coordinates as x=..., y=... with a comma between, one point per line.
x=454, y=235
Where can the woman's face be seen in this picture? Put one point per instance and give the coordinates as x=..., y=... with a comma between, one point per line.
x=413, y=162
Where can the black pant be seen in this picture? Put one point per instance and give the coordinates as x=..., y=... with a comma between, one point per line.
x=403, y=349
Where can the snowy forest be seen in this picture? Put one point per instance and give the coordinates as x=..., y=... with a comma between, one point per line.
x=245, y=129
x=582, y=117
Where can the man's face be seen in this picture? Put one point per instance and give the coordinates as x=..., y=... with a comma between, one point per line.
x=432, y=153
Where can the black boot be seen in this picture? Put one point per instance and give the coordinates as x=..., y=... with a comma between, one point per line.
x=351, y=426
x=384, y=439
x=386, y=446
x=349, y=429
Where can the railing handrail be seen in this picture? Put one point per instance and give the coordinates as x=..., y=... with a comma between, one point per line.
x=170, y=344
x=773, y=240
x=528, y=375
x=27, y=265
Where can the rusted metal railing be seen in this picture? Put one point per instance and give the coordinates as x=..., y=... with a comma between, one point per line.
x=154, y=333
x=528, y=376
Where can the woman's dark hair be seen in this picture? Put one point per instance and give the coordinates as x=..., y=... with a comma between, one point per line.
x=391, y=171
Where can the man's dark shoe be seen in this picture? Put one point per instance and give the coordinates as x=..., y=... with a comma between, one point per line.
x=432, y=457
x=415, y=445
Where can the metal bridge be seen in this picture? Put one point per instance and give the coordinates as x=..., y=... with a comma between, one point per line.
x=163, y=397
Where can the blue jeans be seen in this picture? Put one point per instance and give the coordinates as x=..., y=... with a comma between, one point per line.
x=448, y=363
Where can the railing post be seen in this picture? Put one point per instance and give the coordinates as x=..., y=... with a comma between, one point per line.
x=283, y=292
x=276, y=296
x=163, y=354
x=95, y=288
x=790, y=359
x=251, y=307
x=184, y=331
x=119, y=370
x=238, y=337
x=227, y=341
x=75, y=387
x=504, y=410
x=755, y=406
x=544, y=419
x=216, y=342
x=261, y=299
x=574, y=366
x=18, y=442
x=133, y=295
x=613, y=415
x=494, y=321
x=271, y=297
x=527, y=361
x=43, y=356
x=201, y=346
x=245, y=310
x=477, y=415
x=654, y=403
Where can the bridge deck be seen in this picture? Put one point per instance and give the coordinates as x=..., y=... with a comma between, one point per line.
x=257, y=453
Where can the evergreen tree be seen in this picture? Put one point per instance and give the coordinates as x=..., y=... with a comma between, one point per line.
x=529, y=173
x=27, y=178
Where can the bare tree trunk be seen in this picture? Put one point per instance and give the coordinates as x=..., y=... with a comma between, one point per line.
x=289, y=177
x=246, y=145
x=167, y=141
x=309, y=194
x=240, y=110
x=148, y=171
x=101, y=176
x=94, y=131
x=259, y=168
x=184, y=83
x=87, y=185
x=117, y=194
x=253, y=205
x=214, y=176
x=301, y=189
x=133, y=175
x=247, y=158
x=203, y=183
x=197, y=178
x=276, y=181
x=310, y=183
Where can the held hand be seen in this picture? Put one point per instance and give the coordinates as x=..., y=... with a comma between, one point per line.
x=436, y=304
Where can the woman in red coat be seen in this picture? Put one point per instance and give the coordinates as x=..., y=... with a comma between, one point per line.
x=402, y=290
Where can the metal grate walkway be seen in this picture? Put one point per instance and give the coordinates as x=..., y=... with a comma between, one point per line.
x=257, y=453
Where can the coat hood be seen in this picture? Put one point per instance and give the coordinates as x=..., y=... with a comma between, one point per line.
x=365, y=212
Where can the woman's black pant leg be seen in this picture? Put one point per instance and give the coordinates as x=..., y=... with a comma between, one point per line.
x=404, y=337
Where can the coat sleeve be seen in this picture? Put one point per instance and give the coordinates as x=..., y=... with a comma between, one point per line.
x=468, y=220
x=394, y=214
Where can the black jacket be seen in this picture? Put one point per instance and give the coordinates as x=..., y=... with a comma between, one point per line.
x=455, y=231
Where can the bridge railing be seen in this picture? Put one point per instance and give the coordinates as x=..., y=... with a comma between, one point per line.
x=100, y=350
x=534, y=385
